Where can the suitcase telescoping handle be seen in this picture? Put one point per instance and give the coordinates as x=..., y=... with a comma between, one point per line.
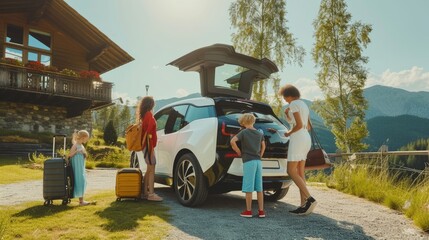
x=53, y=144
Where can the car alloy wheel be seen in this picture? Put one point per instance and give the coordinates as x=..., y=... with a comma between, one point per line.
x=189, y=182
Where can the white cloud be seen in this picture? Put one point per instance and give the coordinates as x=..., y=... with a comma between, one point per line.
x=414, y=79
x=308, y=88
x=182, y=92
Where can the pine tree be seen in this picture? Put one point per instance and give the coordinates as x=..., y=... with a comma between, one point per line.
x=262, y=33
x=341, y=78
x=110, y=136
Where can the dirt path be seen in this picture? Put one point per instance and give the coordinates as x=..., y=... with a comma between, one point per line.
x=338, y=216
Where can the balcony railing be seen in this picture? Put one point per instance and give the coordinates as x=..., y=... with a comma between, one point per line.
x=25, y=79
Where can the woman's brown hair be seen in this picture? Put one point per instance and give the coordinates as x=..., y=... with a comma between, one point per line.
x=289, y=90
x=145, y=105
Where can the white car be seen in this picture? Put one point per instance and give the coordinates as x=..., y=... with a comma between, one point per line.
x=193, y=152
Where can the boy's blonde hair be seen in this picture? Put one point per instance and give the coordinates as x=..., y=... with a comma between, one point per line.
x=77, y=135
x=246, y=119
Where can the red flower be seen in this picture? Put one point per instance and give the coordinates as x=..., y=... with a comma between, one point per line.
x=36, y=65
x=91, y=75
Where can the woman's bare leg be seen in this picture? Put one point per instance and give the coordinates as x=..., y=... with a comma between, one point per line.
x=149, y=179
x=293, y=171
x=301, y=167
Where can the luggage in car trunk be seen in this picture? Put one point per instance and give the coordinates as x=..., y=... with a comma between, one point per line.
x=128, y=183
x=57, y=178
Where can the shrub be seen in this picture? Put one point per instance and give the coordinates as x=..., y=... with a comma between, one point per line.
x=69, y=72
x=25, y=137
x=37, y=158
x=110, y=136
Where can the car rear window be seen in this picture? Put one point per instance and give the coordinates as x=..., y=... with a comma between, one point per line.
x=231, y=110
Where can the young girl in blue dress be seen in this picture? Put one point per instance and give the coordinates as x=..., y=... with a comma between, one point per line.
x=77, y=157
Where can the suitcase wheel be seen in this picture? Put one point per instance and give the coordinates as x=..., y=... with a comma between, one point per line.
x=118, y=199
x=47, y=202
x=65, y=201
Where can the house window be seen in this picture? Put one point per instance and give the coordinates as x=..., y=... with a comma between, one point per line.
x=15, y=34
x=28, y=45
x=13, y=53
x=39, y=40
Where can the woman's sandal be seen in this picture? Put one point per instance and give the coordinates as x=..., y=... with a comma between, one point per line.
x=154, y=197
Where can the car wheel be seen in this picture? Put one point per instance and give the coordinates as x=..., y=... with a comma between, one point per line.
x=134, y=161
x=189, y=183
x=275, y=195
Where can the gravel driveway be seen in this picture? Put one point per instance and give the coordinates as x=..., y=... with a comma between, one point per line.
x=338, y=216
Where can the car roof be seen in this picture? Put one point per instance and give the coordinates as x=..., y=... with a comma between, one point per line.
x=245, y=70
x=199, y=102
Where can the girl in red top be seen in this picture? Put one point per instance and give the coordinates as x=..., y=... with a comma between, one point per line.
x=144, y=113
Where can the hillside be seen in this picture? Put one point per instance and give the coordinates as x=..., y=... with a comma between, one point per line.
x=396, y=131
x=389, y=101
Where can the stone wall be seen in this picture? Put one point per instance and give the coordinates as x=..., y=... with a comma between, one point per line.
x=36, y=118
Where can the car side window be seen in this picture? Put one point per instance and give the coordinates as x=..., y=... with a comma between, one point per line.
x=176, y=119
x=195, y=113
x=161, y=119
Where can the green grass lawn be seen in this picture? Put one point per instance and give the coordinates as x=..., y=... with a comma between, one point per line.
x=108, y=219
x=14, y=169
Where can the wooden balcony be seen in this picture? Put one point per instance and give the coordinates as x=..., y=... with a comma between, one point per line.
x=20, y=84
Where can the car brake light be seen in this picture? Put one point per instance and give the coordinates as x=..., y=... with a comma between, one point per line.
x=231, y=155
x=224, y=132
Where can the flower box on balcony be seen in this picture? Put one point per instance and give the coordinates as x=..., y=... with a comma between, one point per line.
x=90, y=75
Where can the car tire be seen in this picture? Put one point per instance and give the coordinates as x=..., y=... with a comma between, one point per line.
x=189, y=183
x=275, y=195
x=134, y=161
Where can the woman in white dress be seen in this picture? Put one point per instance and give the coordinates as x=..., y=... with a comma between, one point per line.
x=298, y=117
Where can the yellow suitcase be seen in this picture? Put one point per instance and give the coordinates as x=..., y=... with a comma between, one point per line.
x=128, y=183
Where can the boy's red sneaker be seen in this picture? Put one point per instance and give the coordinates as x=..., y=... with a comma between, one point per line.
x=247, y=214
x=261, y=213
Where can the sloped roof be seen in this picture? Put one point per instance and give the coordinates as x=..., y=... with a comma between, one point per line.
x=103, y=54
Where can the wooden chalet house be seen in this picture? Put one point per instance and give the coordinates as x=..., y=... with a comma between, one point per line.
x=51, y=58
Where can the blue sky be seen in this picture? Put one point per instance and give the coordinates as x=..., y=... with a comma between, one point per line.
x=156, y=32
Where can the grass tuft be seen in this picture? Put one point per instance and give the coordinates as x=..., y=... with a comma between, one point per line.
x=377, y=185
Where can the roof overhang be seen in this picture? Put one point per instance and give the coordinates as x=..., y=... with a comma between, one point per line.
x=103, y=54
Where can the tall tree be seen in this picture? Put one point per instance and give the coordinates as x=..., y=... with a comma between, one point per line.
x=124, y=119
x=114, y=115
x=101, y=117
x=262, y=33
x=341, y=78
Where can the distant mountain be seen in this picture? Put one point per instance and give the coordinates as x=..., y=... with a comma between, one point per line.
x=396, y=132
x=163, y=102
x=395, y=114
x=389, y=101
